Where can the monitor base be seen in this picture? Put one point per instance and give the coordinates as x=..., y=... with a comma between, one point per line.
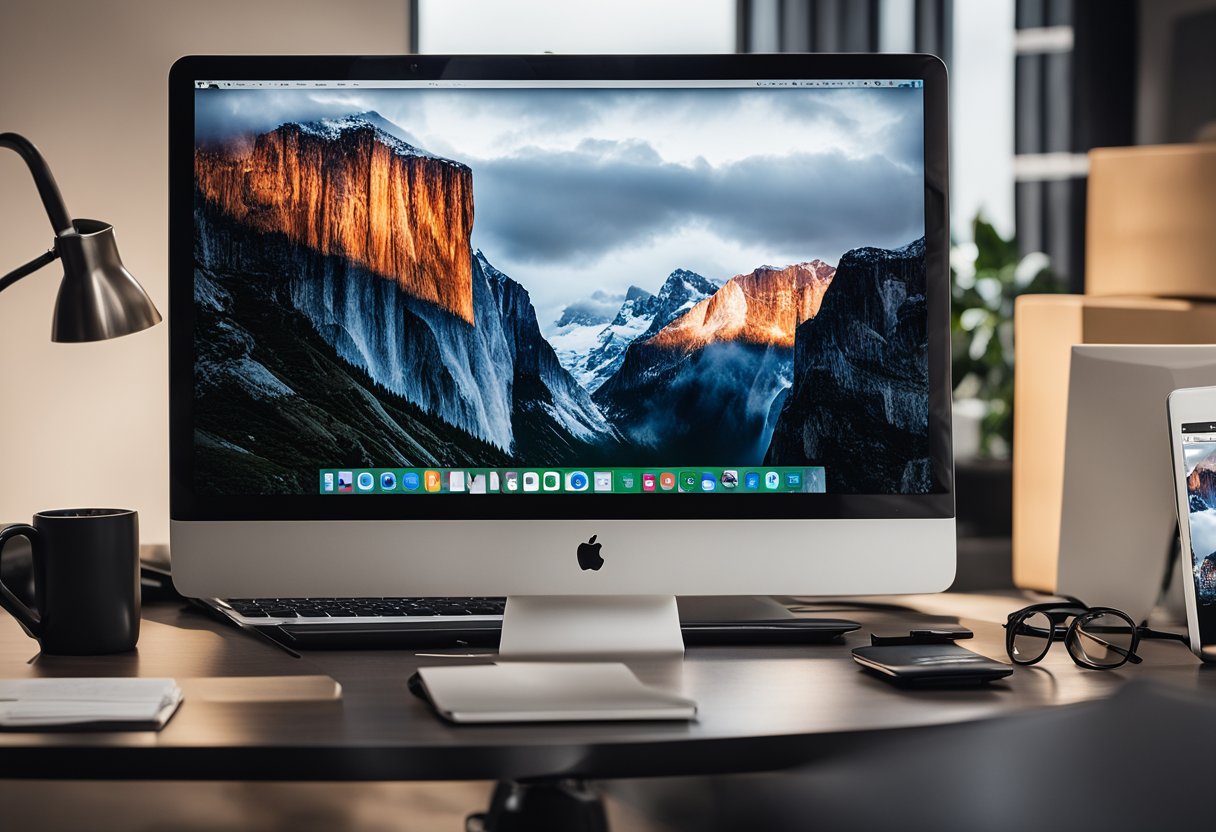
x=591, y=627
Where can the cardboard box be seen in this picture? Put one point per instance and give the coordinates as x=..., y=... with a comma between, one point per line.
x=1045, y=329
x=1151, y=221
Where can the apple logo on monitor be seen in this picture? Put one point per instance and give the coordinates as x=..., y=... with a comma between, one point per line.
x=589, y=555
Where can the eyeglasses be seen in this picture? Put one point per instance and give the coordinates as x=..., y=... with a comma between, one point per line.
x=1098, y=638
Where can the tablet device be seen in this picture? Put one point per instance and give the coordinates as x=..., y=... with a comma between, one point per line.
x=1192, y=418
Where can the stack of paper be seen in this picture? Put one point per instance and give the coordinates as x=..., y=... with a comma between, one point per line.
x=127, y=703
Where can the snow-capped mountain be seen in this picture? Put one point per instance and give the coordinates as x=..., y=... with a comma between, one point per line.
x=587, y=348
x=388, y=134
x=593, y=352
x=599, y=308
x=681, y=291
x=723, y=362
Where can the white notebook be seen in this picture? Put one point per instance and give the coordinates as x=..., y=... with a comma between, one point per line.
x=548, y=692
x=126, y=703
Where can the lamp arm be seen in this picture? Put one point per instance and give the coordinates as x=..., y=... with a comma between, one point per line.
x=52, y=200
x=29, y=268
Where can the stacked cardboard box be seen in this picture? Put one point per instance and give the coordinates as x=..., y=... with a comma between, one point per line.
x=1150, y=279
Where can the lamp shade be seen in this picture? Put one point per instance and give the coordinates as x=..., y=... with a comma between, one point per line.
x=98, y=297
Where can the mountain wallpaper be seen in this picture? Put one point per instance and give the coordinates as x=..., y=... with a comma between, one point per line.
x=1201, y=493
x=552, y=290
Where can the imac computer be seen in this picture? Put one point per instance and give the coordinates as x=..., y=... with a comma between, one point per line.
x=586, y=332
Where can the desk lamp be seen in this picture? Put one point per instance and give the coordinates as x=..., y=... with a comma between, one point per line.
x=98, y=298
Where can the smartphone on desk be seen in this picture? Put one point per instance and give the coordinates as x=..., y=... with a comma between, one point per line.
x=929, y=664
x=1192, y=419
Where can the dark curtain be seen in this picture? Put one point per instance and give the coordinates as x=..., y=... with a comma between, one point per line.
x=1068, y=101
x=841, y=26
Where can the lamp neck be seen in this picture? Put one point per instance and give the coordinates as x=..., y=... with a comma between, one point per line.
x=52, y=200
x=29, y=268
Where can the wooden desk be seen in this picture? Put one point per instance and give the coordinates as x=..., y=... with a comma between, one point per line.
x=760, y=709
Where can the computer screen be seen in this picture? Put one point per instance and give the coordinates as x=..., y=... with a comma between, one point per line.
x=1199, y=449
x=710, y=286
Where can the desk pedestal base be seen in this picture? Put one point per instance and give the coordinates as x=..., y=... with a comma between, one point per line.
x=568, y=805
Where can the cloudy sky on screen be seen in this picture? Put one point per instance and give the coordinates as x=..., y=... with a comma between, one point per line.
x=583, y=190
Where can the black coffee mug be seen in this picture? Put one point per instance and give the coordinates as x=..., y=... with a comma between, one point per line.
x=86, y=580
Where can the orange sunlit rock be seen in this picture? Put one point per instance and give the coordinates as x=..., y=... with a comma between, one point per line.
x=762, y=307
x=403, y=214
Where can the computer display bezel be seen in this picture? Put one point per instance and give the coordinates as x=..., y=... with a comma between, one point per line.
x=187, y=504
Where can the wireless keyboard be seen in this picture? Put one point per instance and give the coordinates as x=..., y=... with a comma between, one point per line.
x=391, y=623
x=302, y=611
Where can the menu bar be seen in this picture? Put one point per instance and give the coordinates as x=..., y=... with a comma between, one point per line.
x=680, y=83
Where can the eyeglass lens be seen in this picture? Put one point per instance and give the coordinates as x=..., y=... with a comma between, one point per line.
x=1103, y=639
x=1031, y=638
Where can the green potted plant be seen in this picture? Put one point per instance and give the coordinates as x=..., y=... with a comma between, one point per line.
x=987, y=275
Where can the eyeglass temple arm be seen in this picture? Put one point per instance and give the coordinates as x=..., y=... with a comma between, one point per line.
x=1145, y=632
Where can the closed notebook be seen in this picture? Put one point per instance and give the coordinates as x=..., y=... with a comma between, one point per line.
x=126, y=704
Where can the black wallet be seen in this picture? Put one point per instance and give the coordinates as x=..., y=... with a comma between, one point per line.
x=925, y=665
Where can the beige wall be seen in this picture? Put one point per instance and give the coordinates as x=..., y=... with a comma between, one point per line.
x=86, y=424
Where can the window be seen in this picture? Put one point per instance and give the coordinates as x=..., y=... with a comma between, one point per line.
x=532, y=26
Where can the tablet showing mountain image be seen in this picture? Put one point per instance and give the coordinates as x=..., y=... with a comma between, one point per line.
x=1201, y=498
x=618, y=278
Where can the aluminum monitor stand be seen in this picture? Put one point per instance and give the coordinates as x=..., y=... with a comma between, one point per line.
x=591, y=627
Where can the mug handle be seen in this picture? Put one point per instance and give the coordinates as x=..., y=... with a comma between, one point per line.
x=24, y=615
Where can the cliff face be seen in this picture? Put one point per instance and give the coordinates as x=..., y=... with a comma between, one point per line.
x=1202, y=483
x=548, y=405
x=763, y=308
x=499, y=381
x=274, y=402
x=859, y=404
x=348, y=187
x=411, y=348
